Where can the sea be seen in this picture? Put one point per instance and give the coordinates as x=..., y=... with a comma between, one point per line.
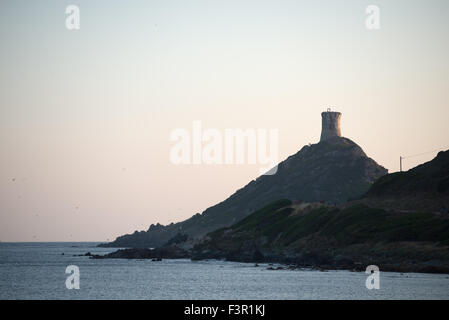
x=38, y=271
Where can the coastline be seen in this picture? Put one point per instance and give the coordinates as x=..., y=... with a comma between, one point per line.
x=286, y=263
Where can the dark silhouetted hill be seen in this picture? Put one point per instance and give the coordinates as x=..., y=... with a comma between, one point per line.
x=425, y=187
x=331, y=171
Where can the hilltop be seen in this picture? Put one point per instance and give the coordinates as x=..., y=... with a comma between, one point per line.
x=425, y=187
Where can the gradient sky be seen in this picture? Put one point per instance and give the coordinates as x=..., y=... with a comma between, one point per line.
x=86, y=115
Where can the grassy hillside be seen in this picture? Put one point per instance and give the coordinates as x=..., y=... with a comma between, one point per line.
x=323, y=236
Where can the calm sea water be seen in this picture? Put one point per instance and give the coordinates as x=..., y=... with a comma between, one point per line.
x=37, y=271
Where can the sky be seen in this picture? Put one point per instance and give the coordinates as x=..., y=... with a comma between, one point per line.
x=86, y=115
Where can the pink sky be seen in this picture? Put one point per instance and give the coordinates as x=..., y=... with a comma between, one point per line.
x=86, y=115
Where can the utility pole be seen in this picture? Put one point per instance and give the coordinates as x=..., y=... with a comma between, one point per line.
x=412, y=156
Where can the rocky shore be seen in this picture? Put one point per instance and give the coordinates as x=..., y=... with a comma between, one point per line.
x=142, y=253
x=283, y=262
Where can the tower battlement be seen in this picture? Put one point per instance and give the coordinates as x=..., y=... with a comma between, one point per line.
x=330, y=124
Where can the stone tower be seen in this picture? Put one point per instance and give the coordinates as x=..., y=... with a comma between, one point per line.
x=330, y=124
